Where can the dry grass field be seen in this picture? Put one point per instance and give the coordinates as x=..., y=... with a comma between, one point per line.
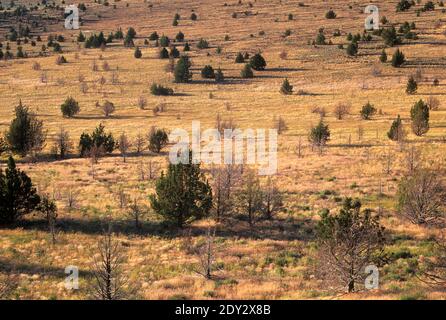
x=275, y=260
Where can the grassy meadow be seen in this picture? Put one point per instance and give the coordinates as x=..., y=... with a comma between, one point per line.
x=276, y=259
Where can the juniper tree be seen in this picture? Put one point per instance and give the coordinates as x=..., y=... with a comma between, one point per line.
x=219, y=76
x=174, y=53
x=239, y=58
x=164, y=54
x=247, y=72
x=320, y=134
x=383, y=56
x=18, y=197
x=181, y=72
x=70, y=108
x=186, y=47
x=419, y=115
x=208, y=72
x=138, y=53
x=286, y=87
x=99, y=139
x=182, y=194
x=257, y=62
x=367, y=111
x=158, y=139
x=180, y=36
x=164, y=41
x=396, y=132
x=412, y=85
x=398, y=59
x=25, y=132
x=48, y=208
x=352, y=49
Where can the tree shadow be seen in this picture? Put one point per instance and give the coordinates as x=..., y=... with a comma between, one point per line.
x=32, y=269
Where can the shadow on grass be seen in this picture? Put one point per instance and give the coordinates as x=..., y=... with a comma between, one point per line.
x=32, y=269
x=276, y=229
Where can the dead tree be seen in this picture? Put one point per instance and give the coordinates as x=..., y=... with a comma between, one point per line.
x=422, y=197
x=109, y=282
x=123, y=145
x=249, y=198
x=48, y=208
x=71, y=197
x=139, y=143
x=136, y=212
x=224, y=181
x=206, y=255
x=272, y=199
x=348, y=241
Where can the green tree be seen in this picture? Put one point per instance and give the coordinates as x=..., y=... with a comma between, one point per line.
x=182, y=195
x=164, y=54
x=219, y=76
x=18, y=196
x=181, y=72
x=202, y=44
x=25, y=132
x=412, y=86
x=164, y=41
x=352, y=49
x=257, y=62
x=286, y=88
x=208, y=72
x=239, y=58
x=396, y=132
x=98, y=138
x=70, y=107
x=186, y=47
x=154, y=36
x=383, y=56
x=138, y=53
x=247, y=72
x=419, y=114
x=330, y=14
x=398, y=59
x=158, y=139
x=320, y=134
x=367, y=111
x=179, y=37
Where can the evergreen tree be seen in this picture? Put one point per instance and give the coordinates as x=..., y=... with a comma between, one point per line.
x=164, y=41
x=239, y=58
x=70, y=107
x=186, y=47
x=396, y=132
x=174, y=53
x=182, y=195
x=398, y=59
x=207, y=72
x=154, y=36
x=164, y=54
x=181, y=72
x=286, y=88
x=383, y=56
x=367, y=111
x=138, y=53
x=25, y=131
x=158, y=139
x=320, y=134
x=98, y=138
x=180, y=37
x=247, y=72
x=219, y=76
x=352, y=49
x=193, y=16
x=412, y=86
x=81, y=37
x=202, y=44
x=420, y=118
x=257, y=62
x=18, y=197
